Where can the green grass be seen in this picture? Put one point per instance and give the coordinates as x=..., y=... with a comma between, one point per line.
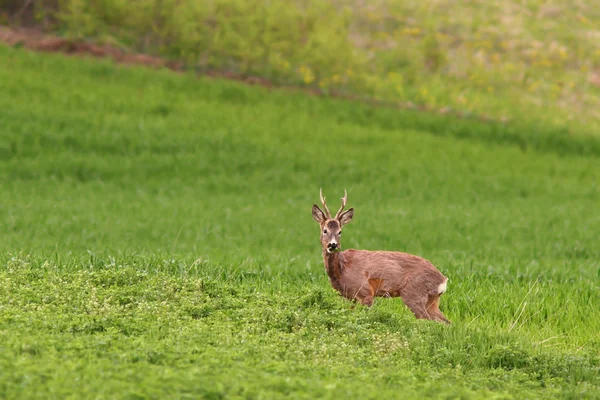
x=156, y=241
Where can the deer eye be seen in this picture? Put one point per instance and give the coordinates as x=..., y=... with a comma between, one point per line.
x=324, y=230
x=340, y=233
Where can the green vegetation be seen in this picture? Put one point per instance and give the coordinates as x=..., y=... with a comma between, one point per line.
x=156, y=241
x=506, y=59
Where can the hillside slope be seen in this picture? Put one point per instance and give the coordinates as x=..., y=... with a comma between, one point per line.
x=156, y=240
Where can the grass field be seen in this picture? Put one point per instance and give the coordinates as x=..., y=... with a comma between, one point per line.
x=156, y=241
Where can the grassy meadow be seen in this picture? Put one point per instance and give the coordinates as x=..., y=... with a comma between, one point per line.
x=156, y=241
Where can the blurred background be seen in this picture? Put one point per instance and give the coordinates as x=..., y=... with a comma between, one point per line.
x=495, y=59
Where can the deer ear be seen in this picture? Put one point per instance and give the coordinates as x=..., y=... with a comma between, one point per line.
x=346, y=217
x=317, y=214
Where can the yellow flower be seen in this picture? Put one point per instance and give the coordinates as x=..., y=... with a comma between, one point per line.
x=583, y=19
x=543, y=63
x=533, y=86
x=307, y=74
x=411, y=31
x=563, y=54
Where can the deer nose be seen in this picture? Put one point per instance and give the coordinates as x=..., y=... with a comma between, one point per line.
x=332, y=245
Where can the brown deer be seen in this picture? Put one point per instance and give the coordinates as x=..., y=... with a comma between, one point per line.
x=362, y=275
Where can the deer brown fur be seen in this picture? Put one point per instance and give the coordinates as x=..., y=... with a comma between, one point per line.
x=362, y=275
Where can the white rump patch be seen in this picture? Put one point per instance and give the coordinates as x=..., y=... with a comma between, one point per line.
x=442, y=287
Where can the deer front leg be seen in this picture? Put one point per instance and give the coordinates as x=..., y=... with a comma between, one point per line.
x=367, y=301
x=365, y=295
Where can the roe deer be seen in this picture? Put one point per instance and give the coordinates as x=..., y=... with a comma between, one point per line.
x=362, y=275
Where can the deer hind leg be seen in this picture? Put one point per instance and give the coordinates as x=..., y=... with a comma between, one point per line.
x=418, y=305
x=433, y=308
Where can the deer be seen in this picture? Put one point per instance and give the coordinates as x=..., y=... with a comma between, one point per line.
x=362, y=275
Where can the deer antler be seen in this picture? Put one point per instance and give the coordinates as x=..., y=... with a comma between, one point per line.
x=324, y=205
x=344, y=200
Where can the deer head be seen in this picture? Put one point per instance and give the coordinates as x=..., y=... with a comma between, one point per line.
x=331, y=228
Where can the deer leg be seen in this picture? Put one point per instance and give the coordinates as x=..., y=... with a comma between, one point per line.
x=433, y=309
x=418, y=306
x=367, y=301
x=365, y=295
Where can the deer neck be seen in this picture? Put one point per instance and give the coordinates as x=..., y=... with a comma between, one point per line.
x=333, y=264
